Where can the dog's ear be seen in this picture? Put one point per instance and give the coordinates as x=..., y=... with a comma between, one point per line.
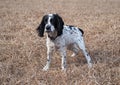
x=60, y=24
x=41, y=27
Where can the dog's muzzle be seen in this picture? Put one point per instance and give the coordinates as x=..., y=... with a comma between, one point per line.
x=48, y=28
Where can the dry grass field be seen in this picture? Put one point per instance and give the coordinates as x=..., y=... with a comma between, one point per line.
x=23, y=53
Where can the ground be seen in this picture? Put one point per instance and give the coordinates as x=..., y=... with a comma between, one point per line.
x=23, y=53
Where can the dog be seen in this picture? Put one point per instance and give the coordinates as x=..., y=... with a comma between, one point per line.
x=61, y=37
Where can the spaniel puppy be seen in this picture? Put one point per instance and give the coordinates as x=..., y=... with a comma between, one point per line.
x=61, y=37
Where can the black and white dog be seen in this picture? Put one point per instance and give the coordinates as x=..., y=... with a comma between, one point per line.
x=61, y=37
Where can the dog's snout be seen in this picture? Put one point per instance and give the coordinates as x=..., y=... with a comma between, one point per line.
x=48, y=27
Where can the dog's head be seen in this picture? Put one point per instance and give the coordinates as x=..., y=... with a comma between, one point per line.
x=52, y=24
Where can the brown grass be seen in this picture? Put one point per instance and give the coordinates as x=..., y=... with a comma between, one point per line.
x=23, y=53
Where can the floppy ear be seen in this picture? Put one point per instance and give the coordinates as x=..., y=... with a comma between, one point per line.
x=41, y=28
x=60, y=24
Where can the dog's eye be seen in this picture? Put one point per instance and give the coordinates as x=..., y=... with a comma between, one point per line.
x=45, y=20
x=51, y=20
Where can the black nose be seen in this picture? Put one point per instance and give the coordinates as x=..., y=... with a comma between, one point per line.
x=48, y=27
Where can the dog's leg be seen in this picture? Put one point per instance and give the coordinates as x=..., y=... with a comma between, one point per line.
x=63, y=55
x=87, y=56
x=49, y=55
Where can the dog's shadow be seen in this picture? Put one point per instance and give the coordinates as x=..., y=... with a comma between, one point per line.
x=97, y=56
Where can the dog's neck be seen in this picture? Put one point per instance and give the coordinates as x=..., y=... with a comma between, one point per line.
x=52, y=35
x=52, y=38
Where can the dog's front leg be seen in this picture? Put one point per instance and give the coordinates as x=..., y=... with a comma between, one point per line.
x=49, y=55
x=63, y=55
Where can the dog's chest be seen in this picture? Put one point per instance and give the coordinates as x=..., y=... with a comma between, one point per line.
x=56, y=44
x=60, y=43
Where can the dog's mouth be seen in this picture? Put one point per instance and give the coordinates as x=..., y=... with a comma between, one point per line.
x=52, y=34
x=48, y=31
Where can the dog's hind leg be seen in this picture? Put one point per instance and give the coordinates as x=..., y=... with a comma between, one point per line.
x=87, y=56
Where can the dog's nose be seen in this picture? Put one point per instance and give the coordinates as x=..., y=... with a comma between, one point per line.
x=48, y=27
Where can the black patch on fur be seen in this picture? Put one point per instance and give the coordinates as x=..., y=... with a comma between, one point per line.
x=59, y=24
x=71, y=26
x=81, y=31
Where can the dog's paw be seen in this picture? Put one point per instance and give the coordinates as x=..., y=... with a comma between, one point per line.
x=90, y=65
x=64, y=69
x=45, y=68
